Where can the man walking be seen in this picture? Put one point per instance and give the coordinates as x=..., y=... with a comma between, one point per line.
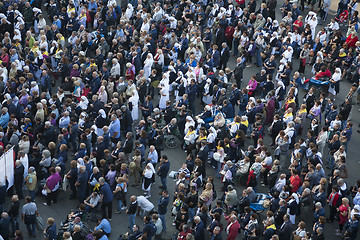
x=28, y=216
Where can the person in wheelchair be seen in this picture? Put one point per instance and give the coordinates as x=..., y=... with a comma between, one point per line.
x=156, y=118
x=76, y=213
x=91, y=203
x=170, y=128
x=135, y=234
x=69, y=227
x=205, y=115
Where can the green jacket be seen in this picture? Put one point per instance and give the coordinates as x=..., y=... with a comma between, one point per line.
x=28, y=14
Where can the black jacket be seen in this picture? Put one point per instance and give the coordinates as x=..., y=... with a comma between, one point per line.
x=132, y=208
x=19, y=175
x=285, y=231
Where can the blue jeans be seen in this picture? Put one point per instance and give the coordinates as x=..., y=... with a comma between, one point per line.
x=131, y=218
x=162, y=217
x=331, y=161
x=258, y=58
x=32, y=194
x=119, y=202
x=191, y=213
x=14, y=225
x=163, y=182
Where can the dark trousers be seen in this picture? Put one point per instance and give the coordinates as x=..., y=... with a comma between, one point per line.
x=107, y=205
x=19, y=191
x=332, y=213
x=14, y=223
x=51, y=197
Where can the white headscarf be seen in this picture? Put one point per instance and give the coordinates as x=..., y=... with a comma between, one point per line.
x=102, y=113
x=129, y=11
x=149, y=172
x=337, y=75
x=212, y=135
x=190, y=122
x=83, y=102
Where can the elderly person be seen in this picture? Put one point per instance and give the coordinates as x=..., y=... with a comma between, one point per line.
x=230, y=197
x=51, y=186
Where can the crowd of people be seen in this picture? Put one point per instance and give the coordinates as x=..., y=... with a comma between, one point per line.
x=91, y=91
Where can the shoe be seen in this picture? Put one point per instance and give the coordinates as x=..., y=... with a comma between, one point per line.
x=117, y=212
x=109, y=219
x=173, y=224
x=263, y=185
x=160, y=186
x=148, y=196
x=123, y=208
x=45, y=204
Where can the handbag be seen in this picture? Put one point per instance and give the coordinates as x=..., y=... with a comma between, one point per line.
x=119, y=195
x=65, y=183
x=40, y=225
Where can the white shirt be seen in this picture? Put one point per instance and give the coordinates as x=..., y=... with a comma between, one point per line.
x=145, y=204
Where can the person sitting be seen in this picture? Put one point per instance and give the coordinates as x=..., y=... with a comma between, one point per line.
x=91, y=203
x=134, y=235
x=69, y=227
x=76, y=213
x=324, y=72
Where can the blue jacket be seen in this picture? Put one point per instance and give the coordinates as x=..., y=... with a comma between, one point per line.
x=4, y=120
x=164, y=169
x=162, y=205
x=51, y=232
x=199, y=231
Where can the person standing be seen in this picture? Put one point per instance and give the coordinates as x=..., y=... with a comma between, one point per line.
x=52, y=186
x=28, y=215
x=19, y=178
x=106, y=197
x=31, y=181
x=81, y=183
x=5, y=226
x=132, y=212
x=14, y=214
x=148, y=179
x=162, y=207
x=286, y=228
x=163, y=171
x=232, y=229
x=50, y=231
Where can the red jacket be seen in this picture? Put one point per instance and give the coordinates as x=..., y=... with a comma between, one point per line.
x=319, y=75
x=233, y=230
x=333, y=198
x=295, y=182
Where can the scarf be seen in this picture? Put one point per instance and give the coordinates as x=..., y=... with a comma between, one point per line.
x=302, y=111
x=287, y=115
x=189, y=133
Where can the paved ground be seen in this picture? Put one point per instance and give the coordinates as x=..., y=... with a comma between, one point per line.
x=177, y=156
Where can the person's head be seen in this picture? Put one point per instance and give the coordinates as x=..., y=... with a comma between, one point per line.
x=147, y=219
x=50, y=221
x=15, y=198
x=102, y=181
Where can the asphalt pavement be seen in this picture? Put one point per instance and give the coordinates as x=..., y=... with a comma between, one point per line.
x=177, y=156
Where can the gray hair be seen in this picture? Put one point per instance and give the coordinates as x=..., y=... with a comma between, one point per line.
x=101, y=180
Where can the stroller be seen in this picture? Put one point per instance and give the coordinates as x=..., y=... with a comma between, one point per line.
x=341, y=19
x=262, y=203
x=322, y=84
